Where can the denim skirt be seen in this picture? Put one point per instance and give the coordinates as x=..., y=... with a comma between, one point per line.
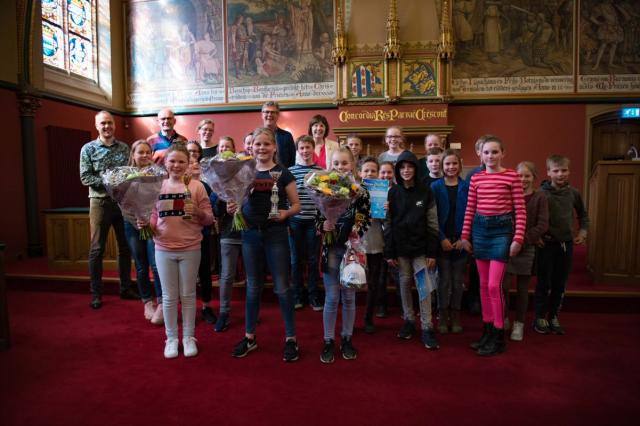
x=491, y=236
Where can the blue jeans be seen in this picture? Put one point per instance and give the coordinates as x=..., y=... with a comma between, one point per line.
x=333, y=293
x=304, y=243
x=229, y=256
x=144, y=257
x=270, y=244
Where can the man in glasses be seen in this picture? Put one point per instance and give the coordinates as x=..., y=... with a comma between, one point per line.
x=286, y=148
x=162, y=140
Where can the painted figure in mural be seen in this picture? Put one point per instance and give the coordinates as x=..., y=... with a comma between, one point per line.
x=239, y=40
x=476, y=20
x=272, y=63
x=187, y=40
x=252, y=45
x=462, y=11
x=302, y=24
x=280, y=35
x=207, y=63
x=492, y=31
x=631, y=18
x=541, y=41
x=609, y=32
x=323, y=54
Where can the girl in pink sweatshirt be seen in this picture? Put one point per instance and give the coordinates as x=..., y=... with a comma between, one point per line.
x=177, y=242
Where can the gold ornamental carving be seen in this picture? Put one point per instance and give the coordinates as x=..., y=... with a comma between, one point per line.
x=392, y=45
x=339, y=51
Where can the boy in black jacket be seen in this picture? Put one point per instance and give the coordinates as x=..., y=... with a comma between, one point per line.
x=411, y=241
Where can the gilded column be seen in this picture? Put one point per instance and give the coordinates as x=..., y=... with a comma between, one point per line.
x=446, y=50
x=392, y=52
x=339, y=54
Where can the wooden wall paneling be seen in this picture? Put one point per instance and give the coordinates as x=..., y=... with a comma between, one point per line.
x=614, y=204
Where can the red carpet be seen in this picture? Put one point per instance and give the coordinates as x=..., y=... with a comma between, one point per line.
x=73, y=366
x=36, y=274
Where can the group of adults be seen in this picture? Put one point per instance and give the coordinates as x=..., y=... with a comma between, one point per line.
x=106, y=152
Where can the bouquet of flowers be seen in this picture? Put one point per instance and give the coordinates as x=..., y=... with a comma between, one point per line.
x=230, y=175
x=332, y=194
x=136, y=191
x=353, y=265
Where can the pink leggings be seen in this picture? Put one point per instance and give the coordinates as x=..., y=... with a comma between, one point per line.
x=491, y=274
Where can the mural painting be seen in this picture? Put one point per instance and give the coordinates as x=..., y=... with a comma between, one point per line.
x=175, y=53
x=279, y=49
x=609, y=46
x=514, y=47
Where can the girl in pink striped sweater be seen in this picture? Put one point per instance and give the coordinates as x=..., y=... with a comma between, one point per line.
x=495, y=221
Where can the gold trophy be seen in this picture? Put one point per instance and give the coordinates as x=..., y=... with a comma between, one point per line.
x=186, y=179
x=274, y=213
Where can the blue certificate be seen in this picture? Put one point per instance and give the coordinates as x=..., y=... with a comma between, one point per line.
x=378, y=189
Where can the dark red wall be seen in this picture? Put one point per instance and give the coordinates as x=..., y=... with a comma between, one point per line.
x=13, y=228
x=530, y=132
x=51, y=113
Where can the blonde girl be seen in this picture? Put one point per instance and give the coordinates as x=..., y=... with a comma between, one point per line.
x=143, y=251
x=355, y=218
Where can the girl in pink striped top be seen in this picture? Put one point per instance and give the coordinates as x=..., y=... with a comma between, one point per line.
x=495, y=221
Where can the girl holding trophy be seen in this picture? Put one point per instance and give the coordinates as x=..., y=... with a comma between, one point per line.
x=266, y=240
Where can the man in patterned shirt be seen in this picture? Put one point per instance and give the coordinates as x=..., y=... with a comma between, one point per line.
x=96, y=157
x=167, y=136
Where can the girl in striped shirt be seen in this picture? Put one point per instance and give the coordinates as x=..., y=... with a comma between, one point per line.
x=495, y=221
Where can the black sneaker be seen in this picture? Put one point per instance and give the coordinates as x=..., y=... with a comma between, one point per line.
x=128, y=293
x=297, y=304
x=222, y=323
x=96, y=302
x=347, y=349
x=243, y=347
x=382, y=312
x=290, y=351
x=407, y=330
x=541, y=325
x=555, y=327
x=327, y=356
x=208, y=315
x=369, y=328
x=316, y=305
x=429, y=339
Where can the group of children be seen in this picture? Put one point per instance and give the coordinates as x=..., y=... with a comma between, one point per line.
x=435, y=220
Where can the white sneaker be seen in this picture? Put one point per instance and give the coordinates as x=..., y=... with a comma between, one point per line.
x=517, y=334
x=158, y=317
x=149, y=310
x=171, y=348
x=189, y=346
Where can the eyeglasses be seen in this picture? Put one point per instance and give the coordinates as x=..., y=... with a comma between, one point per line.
x=393, y=137
x=271, y=112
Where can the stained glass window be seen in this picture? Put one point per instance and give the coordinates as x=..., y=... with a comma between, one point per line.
x=68, y=36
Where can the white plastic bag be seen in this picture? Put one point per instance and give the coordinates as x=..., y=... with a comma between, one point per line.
x=353, y=268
